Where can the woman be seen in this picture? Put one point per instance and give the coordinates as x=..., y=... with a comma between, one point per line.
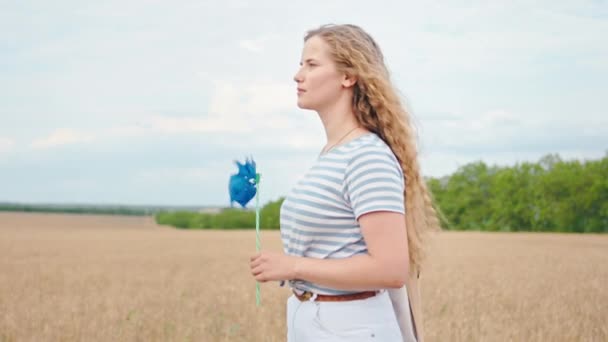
x=349, y=246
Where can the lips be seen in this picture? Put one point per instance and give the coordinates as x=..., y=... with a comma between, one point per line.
x=300, y=90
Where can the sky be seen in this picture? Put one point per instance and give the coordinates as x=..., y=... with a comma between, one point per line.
x=151, y=102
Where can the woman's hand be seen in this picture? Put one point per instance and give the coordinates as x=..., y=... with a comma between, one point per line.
x=268, y=266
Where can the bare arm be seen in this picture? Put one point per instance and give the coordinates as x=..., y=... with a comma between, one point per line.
x=385, y=265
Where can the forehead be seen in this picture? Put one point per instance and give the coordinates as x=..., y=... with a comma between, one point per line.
x=316, y=48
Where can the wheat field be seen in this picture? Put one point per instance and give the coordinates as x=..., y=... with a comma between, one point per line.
x=113, y=278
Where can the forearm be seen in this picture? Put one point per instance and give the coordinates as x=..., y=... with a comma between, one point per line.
x=359, y=272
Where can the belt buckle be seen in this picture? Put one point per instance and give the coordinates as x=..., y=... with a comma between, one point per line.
x=306, y=295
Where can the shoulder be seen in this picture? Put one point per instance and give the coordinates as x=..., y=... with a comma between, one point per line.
x=373, y=180
x=370, y=151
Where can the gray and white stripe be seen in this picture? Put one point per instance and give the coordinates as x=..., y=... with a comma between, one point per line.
x=319, y=215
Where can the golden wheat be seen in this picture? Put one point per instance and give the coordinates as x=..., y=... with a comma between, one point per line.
x=112, y=278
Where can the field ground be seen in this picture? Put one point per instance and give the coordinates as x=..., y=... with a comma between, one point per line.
x=115, y=278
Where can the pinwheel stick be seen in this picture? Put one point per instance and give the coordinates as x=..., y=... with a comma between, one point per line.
x=258, y=242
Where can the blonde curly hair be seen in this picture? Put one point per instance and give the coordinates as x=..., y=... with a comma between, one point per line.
x=377, y=107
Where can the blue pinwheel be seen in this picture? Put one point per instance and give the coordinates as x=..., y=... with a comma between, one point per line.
x=242, y=185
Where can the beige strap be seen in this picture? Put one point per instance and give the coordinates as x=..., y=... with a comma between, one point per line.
x=413, y=293
x=403, y=313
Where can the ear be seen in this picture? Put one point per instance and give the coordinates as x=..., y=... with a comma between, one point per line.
x=348, y=81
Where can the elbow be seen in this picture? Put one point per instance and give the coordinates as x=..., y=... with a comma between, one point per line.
x=397, y=281
x=398, y=276
x=395, y=284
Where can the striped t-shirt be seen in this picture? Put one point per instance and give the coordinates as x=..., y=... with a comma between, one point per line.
x=319, y=215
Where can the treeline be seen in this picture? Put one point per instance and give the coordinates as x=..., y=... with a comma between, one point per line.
x=551, y=195
x=116, y=210
x=228, y=218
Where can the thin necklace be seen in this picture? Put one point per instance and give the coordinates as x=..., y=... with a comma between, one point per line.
x=344, y=136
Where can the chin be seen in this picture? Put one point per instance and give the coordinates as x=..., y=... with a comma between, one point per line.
x=303, y=105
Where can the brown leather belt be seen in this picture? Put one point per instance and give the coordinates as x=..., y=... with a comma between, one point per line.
x=335, y=298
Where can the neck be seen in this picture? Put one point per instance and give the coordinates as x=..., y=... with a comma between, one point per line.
x=337, y=120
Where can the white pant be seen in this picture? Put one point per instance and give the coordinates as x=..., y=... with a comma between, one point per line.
x=370, y=319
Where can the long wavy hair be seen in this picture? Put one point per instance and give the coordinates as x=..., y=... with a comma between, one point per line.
x=378, y=108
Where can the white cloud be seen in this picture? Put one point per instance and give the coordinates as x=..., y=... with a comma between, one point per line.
x=488, y=122
x=305, y=137
x=500, y=117
x=488, y=37
x=269, y=109
x=234, y=107
x=182, y=175
x=154, y=125
x=251, y=45
x=270, y=97
x=489, y=128
x=176, y=125
x=256, y=97
x=6, y=145
x=257, y=45
x=63, y=136
x=127, y=131
x=257, y=104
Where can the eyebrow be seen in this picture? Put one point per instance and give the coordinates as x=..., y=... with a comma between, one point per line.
x=309, y=60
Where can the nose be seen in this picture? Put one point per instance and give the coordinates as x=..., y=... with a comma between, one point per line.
x=298, y=76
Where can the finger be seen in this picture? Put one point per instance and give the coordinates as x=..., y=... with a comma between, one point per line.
x=255, y=256
x=261, y=278
x=257, y=270
x=256, y=263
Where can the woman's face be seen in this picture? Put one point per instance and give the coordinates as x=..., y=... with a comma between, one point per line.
x=319, y=82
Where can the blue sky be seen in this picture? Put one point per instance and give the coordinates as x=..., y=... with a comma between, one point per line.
x=150, y=102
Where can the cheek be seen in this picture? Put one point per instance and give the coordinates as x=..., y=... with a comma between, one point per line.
x=325, y=83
